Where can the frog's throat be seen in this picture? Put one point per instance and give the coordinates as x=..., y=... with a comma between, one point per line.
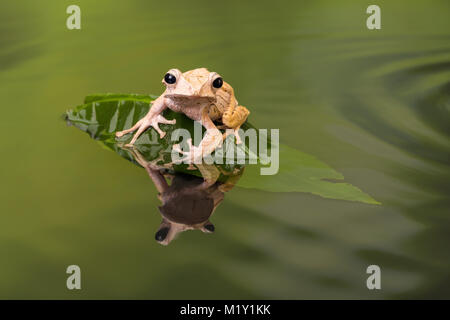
x=176, y=96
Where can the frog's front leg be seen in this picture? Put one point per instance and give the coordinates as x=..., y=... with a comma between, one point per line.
x=211, y=140
x=152, y=119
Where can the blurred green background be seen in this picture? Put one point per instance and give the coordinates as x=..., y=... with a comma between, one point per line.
x=374, y=105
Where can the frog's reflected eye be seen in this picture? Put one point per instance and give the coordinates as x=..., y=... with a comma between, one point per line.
x=217, y=83
x=161, y=234
x=170, y=78
x=210, y=227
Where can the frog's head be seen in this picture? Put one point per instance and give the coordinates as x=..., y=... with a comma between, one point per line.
x=198, y=84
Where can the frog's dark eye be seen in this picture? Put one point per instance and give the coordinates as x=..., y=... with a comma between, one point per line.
x=161, y=234
x=217, y=83
x=210, y=227
x=170, y=78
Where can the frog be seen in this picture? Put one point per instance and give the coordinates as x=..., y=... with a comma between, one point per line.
x=188, y=201
x=202, y=96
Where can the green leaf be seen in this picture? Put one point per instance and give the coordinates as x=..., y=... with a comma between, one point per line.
x=301, y=172
x=102, y=115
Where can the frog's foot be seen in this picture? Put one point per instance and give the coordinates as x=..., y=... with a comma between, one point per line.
x=238, y=137
x=136, y=154
x=121, y=133
x=165, y=121
x=144, y=124
x=160, y=119
x=188, y=156
x=155, y=164
x=133, y=128
x=234, y=132
x=210, y=142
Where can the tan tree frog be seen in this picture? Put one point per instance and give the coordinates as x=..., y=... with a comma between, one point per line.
x=202, y=96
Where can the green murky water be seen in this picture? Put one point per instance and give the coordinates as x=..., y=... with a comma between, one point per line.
x=374, y=105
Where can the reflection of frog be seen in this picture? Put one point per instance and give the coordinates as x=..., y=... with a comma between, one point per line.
x=202, y=96
x=189, y=201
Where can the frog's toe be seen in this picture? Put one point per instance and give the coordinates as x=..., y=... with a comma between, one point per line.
x=163, y=120
x=177, y=148
x=120, y=134
x=177, y=160
x=237, y=136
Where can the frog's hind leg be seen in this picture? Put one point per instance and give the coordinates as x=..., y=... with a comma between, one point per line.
x=234, y=118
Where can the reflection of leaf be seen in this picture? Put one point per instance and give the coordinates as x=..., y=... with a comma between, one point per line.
x=102, y=115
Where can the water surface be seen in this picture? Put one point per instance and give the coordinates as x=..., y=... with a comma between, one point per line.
x=374, y=105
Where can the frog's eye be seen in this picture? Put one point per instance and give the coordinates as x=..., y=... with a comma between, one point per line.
x=161, y=234
x=170, y=78
x=210, y=227
x=217, y=83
